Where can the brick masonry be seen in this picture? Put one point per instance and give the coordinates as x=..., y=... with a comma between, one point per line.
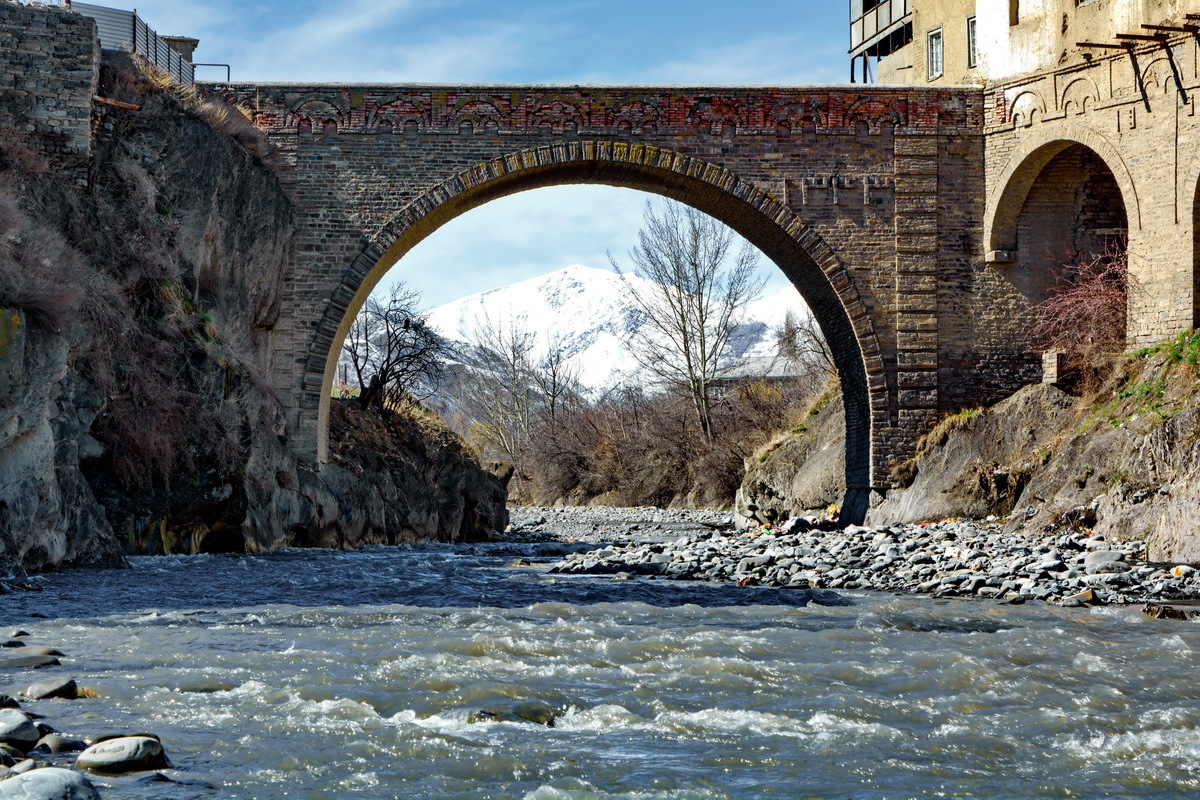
x=49, y=68
x=1131, y=117
x=861, y=195
x=918, y=222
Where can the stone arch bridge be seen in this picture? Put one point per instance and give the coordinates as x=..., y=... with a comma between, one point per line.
x=878, y=203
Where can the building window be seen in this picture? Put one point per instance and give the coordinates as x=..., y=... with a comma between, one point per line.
x=971, y=42
x=1014, y=12
x=933, y=61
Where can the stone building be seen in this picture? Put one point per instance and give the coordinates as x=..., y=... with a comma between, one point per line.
x=972, y=42
x=921, y=222
x=1089, y=128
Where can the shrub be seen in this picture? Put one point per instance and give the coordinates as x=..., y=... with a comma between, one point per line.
x=1084, y=315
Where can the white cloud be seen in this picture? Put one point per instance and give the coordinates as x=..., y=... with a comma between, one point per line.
x=772, y=60
x=520, y=236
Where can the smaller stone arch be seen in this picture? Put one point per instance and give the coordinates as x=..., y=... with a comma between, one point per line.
x=1188, y=201
x=634, y=112
x=481, y=113
x=1007, y=195
x=876, y=114
x=1026, y=108
x=1080, y=95
x=718, y=114
x=317, y=111
x=558, y=113
x=1158, y=77
x=799, y=113
x=399, y=111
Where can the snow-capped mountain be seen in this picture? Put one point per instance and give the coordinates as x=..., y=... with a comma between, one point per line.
x=590, y=314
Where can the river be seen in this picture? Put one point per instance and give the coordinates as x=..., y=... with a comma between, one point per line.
x=319, y=674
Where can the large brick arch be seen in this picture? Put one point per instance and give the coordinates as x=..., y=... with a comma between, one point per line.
x=793, y=246
x=1022, y=169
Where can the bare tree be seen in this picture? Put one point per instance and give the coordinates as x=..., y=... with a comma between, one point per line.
x=394, y=353
x=1085, y=312
x=500, y=393
x=802, y=344
x=699, y=288
x=556, y=380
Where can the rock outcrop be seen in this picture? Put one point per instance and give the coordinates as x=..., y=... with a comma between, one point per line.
x=48, y=514
x=1123, y=463
x=136, y=406
x=797, y=474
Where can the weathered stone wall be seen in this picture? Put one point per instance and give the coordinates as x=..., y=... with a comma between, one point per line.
x=867, y=198
x=1015, y=38
x=49, y=68
x=909, y=65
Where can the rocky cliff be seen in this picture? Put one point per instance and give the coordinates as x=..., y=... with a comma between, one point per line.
x=799, y=473
x=136, y=414
x=1122, y=460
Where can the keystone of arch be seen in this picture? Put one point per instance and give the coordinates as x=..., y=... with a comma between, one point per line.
x=1038, y=148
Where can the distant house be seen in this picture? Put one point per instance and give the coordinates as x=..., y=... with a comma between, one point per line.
x=771, y=370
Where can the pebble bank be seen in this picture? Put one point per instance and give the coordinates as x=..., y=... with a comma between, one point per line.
x=946, y=559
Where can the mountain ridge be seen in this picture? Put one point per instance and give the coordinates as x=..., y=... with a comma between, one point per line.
x=590, y=314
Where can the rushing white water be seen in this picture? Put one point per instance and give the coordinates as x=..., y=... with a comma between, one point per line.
x=316, y=674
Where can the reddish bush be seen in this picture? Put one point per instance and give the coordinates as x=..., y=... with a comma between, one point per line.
x=1084, y=315
x=1085, y=312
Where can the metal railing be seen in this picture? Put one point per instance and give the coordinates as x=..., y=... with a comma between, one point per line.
x=125, y=30
x=880, y=19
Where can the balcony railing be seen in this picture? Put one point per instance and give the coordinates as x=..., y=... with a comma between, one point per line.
x=125, y=30
x=876, y=22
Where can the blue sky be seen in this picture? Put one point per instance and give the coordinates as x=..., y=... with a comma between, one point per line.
x=757, y=42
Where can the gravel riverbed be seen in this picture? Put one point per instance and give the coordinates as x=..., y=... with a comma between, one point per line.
x=959, y=558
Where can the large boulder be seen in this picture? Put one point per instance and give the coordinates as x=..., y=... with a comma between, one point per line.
x=124, y=754
x=48, y=515
x=797, y=474
x=982, y=461
x=49, y=783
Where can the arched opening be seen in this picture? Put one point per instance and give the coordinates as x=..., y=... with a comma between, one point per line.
x=1073, y=211
x=782, y=237
x=1058, y=231
x=1196, y=257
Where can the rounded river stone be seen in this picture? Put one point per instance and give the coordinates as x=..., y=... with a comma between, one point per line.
x=50, y=783
x=125, y=754
x=17, y=729
x=65, y=688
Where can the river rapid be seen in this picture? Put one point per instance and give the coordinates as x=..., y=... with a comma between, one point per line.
x=391, y=672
